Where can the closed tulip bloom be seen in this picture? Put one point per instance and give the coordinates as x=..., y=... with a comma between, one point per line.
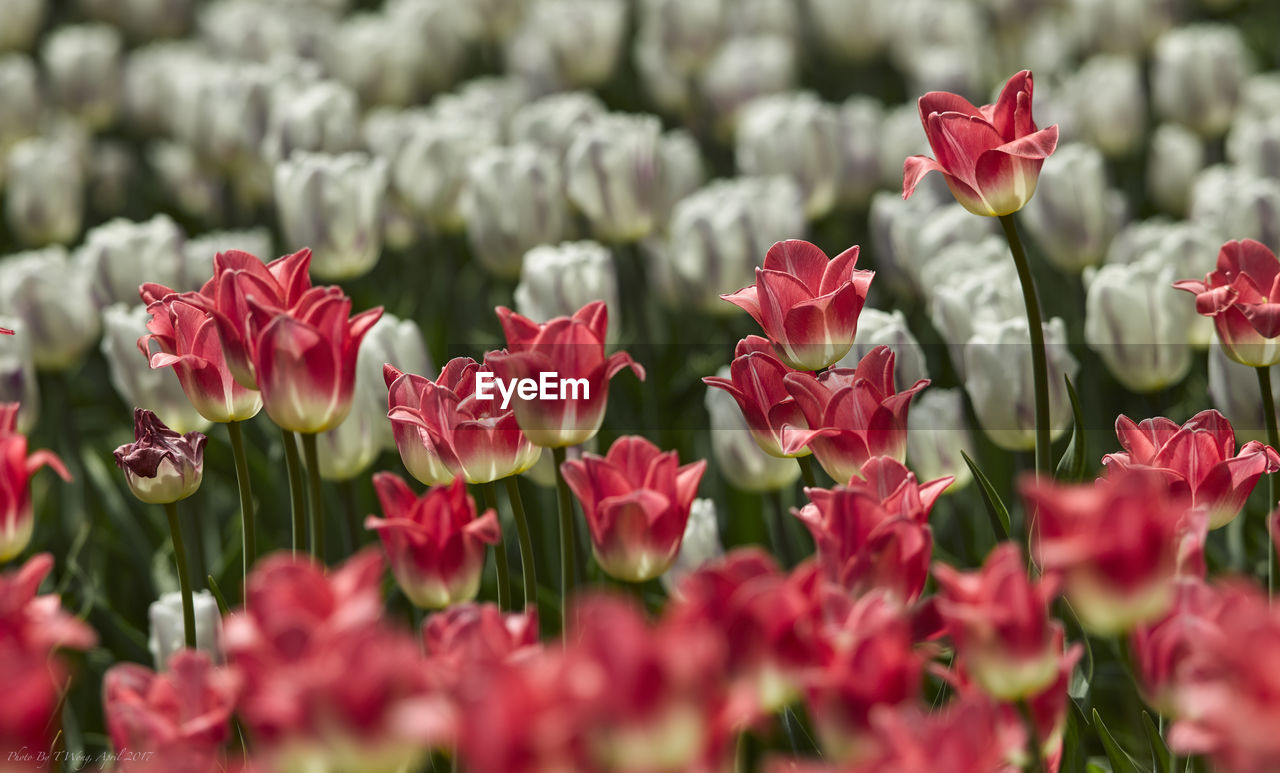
x=161, y=466
x=807, y=304
x=478, y=634
x=636, y=502
x=983, y=292
x=939, y=431
x=853, y=414
x=569, y=43
x=1233, y=389
x=44, y=192
x=1200, y=455
x=132, y=376
x=888, y=328
x=1125, y=27
x=54, y=302
x=1254, y=144
x=445, y=428
x=737, y=454
x=998, y=380
x=832, y=20
x=757, y=383
x=1110, y=103
x=1139, y=325
x=19, y=87
x=166, y=635
x=512, y=201
x=907, y=235
x=744, y=68
x=699, y=546
x=989, y=156
x=1174, y=162
x=556, y=281
x=334, y=204
x=615, y=176
x=22, y=24
x=683, y=34
x=385, y=60
x=572, y=348
x=1160, y=649
x=553, y=121
x=1076, y=215
x=18, y=383
x=1197, y=76
x=861, y=121
x=198, y=252
x=83, y=66
x=718, y=235
x=1237, y=204
x=17, y=519
x=186, y=180
x=436, y=543
x=1243, y=298
x=120, y=255
x=320, y=117
x=796, y=135
x=999, y=620
x=1190, y=247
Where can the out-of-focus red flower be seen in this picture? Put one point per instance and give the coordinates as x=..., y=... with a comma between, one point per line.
x=16, y=516
x=160, y=465
x=636, y=502
x=443, y=430
x=874, y=533
x=852, y=414
x=808, y=305
x=990, y=156
x=569, y=352
x=323, y=678
x=756, y=383
x=305, y=358
x=478, y=635
x=1128, y=577
x=1243, y=298
x=999, y=621
x=435, y=542
x=188, y=341
x=1201, y=455
x=1160, y=649
x=173, y=721
x=1228, y=698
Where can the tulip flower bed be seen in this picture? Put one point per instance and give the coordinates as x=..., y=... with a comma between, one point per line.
x=639, y=386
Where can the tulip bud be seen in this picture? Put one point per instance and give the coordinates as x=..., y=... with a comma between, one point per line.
x=699, y=546
x=20, y=93
x=1110, y=103
x=554, y=121
x=985, y=293
x=166, y=635
x=569, y=43
x=746, y=68
x=1237, y=205
x=1139, y=325
x=333, y=204
x=833, y=19
x=322, y=117
x=1075, y=215
x=556, y=281
x=719, y=235
x=161, y=466
x=121, y=255
x=186, y=180
x=198, y=252
x=938, y=432
x=132, y=376
x=796, y=135
x=735, y=451
x=44, y=203
x=18, y=382
x=512, y=201
x=1189, y=247
x=1233, y=389
x=83, y=66
x=888, y=328
x=998, y=379
x=615, y=176
x=54, y=301
x=860, y=143
x=22, y=20
x=1197, y=75
x=1174, y=162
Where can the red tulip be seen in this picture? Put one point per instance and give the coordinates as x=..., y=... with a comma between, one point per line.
x=874, y=533
x=189, y=342
x=177, y=720
x=443, y=430
x=478, y=636
x=808, y=305
x=16, y=516
x=1243, y=297
x=636, y=501
x=1128, y=578
x=853, y=414
x=990, y=156
x=38, y=623
x=305, y=359
x=1201, y=455
x=435, y=542
x=569, y=350
x=1160, y=649
x=999, y=621
x=756, y=383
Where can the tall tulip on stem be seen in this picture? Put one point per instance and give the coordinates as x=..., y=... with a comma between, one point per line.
x=990, y=157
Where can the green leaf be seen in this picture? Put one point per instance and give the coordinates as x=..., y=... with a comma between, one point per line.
x=223, y=609
x=1159, y=751
x=1073, y=760
x=1073, y=463
x=1121, y=762
x=996, y=511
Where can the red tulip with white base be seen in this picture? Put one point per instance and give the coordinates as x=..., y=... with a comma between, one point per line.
x=17, y=519
x=1243, y=298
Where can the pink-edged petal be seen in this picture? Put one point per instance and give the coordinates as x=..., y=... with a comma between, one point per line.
x=800, y=259
x=914, y=169
x=1039, y=145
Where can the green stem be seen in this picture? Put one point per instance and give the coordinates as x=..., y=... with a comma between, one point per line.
x=248, y=527
x=316, y=496
x=526, y=544
x=806, y=470
x=499, y=547
x=1035, y=756
x=293, y=465
x=1273, y=440
x=184, y=579
x=568, y=541
x=347, y=489
x=778, y=528
x=1039, y=362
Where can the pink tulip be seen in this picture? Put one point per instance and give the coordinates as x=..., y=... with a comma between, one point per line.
x=16, y=515
x=1243, y=298
x=756, y=383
